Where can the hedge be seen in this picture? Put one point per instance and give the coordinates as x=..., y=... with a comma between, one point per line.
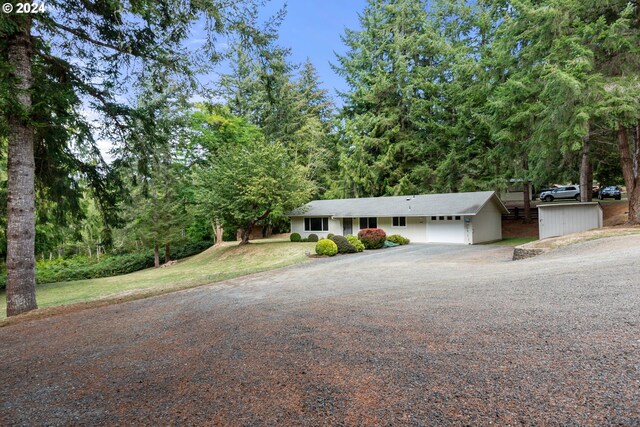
x=82, y=267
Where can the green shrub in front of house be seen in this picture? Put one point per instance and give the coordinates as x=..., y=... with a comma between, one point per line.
x=357, y=244
x=312, y=238
x=344, y=247
x=330, y=235
x=373, y=238
x=398, y=239
x=295, y=237
x=326, y=247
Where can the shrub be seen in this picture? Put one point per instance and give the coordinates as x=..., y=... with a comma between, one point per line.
x=305, y=240
x=312, y=238
x=82, y=267
x=326, y=247
x=330, y=235
x=344, y=247
x=372, y=238
x=357, y=244
x=295, y=237
x=398, y=239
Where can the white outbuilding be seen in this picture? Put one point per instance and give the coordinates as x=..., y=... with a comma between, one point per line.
x=465, y=218
x=565, y=218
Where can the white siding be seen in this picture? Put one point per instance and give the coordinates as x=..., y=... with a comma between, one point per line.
x=445, y=231
x=415, y=229
x=487, y=224
x=297, y=226
x=558, y=220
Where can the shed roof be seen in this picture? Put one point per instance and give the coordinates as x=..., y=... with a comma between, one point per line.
x=570, y=205
x=419, y=205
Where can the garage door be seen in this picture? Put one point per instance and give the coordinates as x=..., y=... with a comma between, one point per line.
x=445, y=231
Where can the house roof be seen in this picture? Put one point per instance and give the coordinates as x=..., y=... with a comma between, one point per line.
x=419, y=205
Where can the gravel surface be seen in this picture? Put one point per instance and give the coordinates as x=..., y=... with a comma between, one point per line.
x=416, y=335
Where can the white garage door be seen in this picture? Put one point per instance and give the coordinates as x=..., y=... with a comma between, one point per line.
x=445, y=231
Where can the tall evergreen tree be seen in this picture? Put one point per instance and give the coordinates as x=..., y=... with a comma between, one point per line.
x=380, y=142
x=83, y=46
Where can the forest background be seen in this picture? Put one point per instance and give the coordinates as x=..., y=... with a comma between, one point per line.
x=441, y=96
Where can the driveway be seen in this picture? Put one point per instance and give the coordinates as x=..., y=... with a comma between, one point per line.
x=416, y=335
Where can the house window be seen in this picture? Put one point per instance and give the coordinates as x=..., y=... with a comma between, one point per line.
x=316, y=224
x=368, y=223
x=434, y=218
x=441, y=218
x=399, y=221
x=449, y=218
x=457, y=218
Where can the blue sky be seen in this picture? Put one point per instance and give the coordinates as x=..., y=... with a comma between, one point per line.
x=312, y=28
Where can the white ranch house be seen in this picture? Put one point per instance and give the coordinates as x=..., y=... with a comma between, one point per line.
x=466, y=218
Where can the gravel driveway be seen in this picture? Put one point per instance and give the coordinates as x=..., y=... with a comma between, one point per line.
x=416, y=335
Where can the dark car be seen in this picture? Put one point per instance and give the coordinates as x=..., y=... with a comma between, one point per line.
x=611, y=192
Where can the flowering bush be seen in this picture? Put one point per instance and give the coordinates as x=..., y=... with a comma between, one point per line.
x=373, y=238
x=326, y=247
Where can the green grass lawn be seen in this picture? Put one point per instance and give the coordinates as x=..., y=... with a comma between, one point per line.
x=514, y=241
x=210, y=266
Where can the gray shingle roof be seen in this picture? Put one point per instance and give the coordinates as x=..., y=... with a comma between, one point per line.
x=419, y=205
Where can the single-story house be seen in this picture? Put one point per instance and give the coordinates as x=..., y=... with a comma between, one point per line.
x=466, y=218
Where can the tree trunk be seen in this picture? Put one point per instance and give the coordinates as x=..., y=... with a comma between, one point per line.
x=631, y=176
x=526, y=192
x=156, y=255
x=21, y=274
x=167, y=253
x=219, y=234
x=586, y=172
x=246, y=231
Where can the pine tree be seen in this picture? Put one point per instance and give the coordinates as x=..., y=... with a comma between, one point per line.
x=84, y=45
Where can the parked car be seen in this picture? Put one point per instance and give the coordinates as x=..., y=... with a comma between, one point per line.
x=544, y=190
x=566, y=192
x=611, y=192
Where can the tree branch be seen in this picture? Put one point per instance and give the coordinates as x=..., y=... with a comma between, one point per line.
x=83, y=35
x=92, y=91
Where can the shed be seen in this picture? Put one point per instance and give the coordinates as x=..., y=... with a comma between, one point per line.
x=566, y=218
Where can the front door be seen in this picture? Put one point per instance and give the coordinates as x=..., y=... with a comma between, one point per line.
x=347, y=226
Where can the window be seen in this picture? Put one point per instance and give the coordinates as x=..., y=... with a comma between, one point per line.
x=441, y=218
x=316, y=224
x=368, y=223
x=457, y=218
x=399, y=221
x=449, y=218
x=434, y=218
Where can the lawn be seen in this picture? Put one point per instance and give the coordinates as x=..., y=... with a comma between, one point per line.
x=514, y=241
x=212, y=265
